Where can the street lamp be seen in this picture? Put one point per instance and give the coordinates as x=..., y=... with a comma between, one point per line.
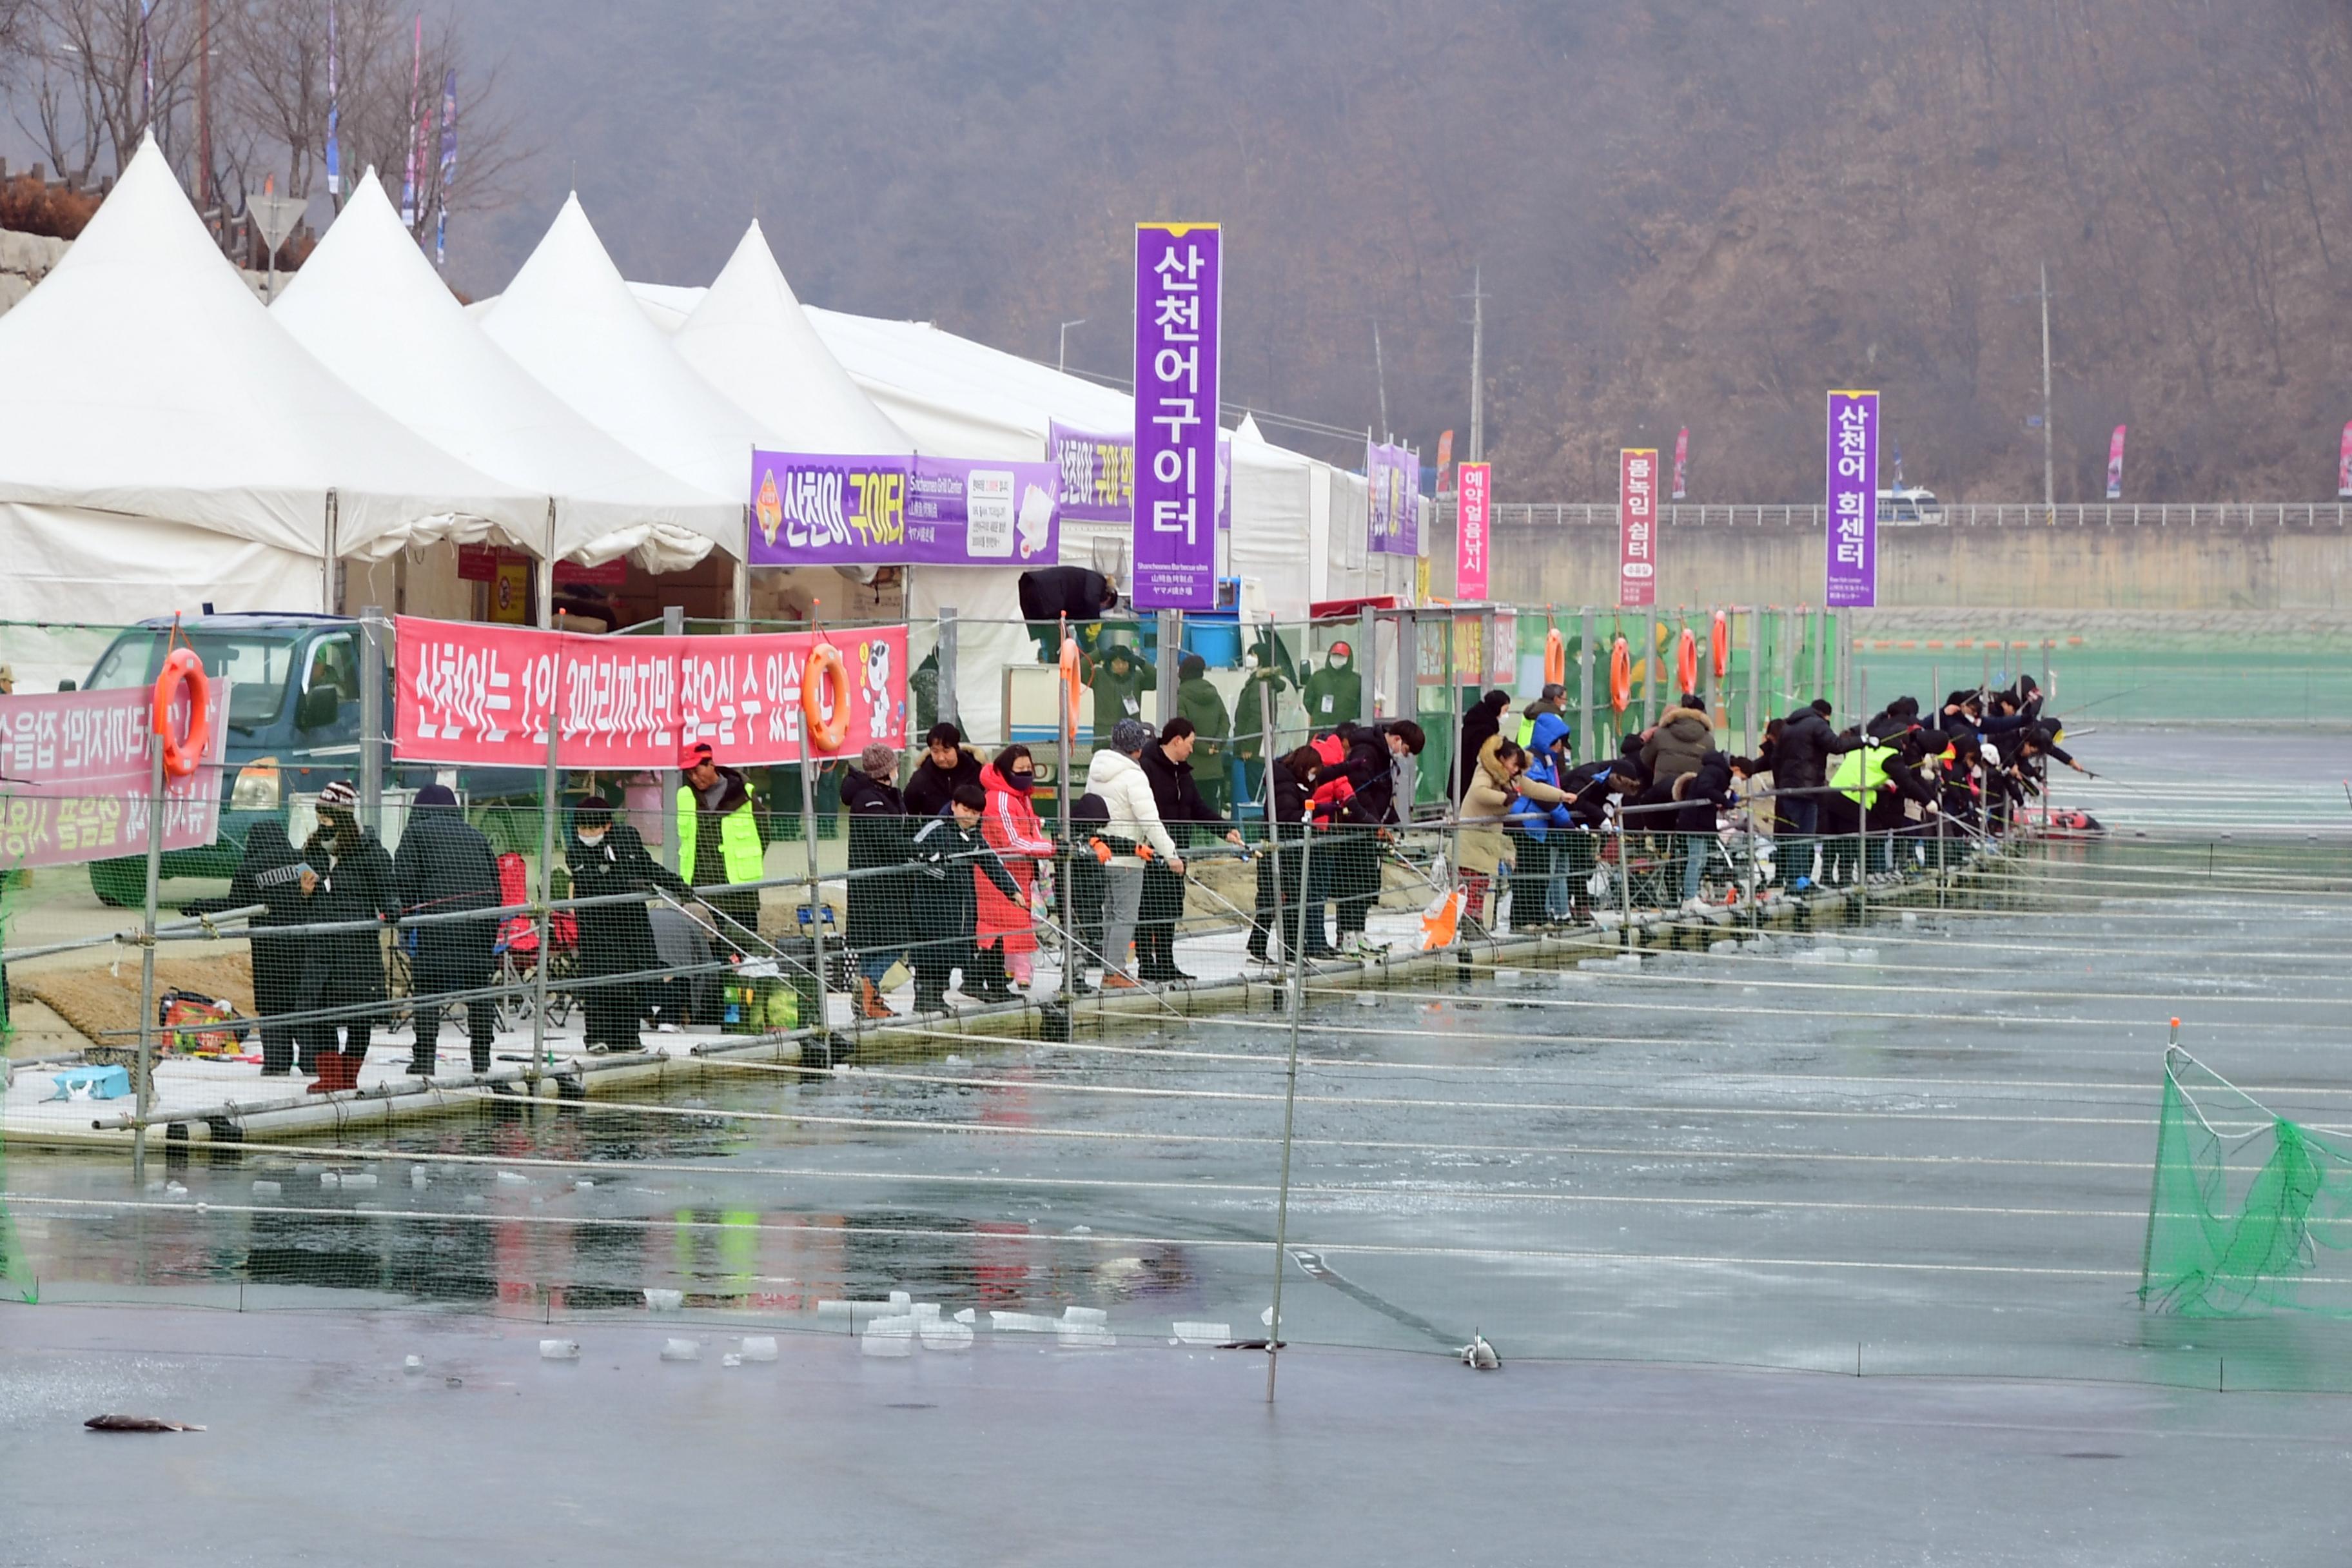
x=1062, y=356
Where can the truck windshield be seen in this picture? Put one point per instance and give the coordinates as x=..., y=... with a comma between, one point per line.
x=257, y=665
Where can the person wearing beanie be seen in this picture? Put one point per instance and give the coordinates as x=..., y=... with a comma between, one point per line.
x=608, y=860
x=444, y=865
x=880, y=921
x=1199, y=702
x=350, y=881
x=1131, y=833
x=1480, y=725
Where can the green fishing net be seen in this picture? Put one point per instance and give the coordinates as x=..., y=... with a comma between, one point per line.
x=16, y=1269
x=2249, y=1213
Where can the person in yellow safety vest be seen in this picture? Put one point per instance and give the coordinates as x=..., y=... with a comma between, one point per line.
x=1872, y=781
x=718, y=838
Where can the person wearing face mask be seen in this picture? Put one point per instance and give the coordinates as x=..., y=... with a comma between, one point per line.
x=444, y=865
x=1004, y=932
x=350, y=880
x=1334, y=693
x=608, y=859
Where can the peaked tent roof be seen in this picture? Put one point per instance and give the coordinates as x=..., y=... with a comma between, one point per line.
x=960, y=398
x=750, y=339
x=370, y=306
x=568, y=319
x=143, y=377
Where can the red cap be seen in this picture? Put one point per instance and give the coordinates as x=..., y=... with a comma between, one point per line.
x=695, y=754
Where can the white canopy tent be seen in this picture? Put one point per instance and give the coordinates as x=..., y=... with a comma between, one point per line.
x=370, y=306
x=568, y=319
x=164, y=443
x=748, y=337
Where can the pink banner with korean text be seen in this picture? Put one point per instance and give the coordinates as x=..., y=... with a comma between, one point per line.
x=479, y=695
x=75, y=770
x=1473, y=536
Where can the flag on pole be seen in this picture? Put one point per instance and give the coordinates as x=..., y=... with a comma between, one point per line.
x=1444, y=459
x=1682, y=462
x=146, y=68
x=334, y=110
x=1896, y=447
x=2115, y=464
x=2344, y=465
x=448, y=168
x=416, y=130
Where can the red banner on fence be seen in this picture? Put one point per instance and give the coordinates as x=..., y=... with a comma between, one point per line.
x=482, y=695
x=75, y=769
x=1637, y=527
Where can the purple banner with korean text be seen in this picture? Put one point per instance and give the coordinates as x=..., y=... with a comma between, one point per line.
x=1098, y=474
x=813, y=508
x=75, y=770
x=1851, y=551
x=1392, y=476
x=1178, y=277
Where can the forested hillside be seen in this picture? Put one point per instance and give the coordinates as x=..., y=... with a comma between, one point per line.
x=1688, y=212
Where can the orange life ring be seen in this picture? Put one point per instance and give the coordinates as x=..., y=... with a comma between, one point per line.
x=1687, y=659
x=1621, y=675
x=1555, y=659
x=1071, y=686
x=1721, y=636
x=825, y=666
x=181, y=753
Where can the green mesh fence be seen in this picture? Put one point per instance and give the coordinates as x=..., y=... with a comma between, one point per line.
x=16, y=1282
x=2247, y=1215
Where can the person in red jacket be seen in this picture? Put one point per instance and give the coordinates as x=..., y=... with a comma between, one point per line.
x=1007, y=932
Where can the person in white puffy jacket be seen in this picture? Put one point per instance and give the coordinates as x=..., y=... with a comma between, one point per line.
x=1133, y=829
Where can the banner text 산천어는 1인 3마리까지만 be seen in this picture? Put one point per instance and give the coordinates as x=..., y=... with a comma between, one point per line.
x=76, y=768
x=472, y=694
x=819, y=509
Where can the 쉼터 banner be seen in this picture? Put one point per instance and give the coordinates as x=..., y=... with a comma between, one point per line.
x=813, y=508
x=1178, y=278
x=1637, y=527
x=478, y=695
x=75, y=770
x=1471, y=532
x=1851, y=547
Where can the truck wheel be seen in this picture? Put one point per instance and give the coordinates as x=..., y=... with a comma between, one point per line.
x=119, y=884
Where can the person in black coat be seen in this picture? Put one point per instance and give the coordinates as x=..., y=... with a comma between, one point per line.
x=945, y=850
x=1480, y=725
x=1168, y=764
x=880, y=916
x=350, y=881
x=946, y=764
x=608, y=857
x=1051, y=593
x=1278, y=884
x=443, y=864
x=1374, y=753
x=270, y=874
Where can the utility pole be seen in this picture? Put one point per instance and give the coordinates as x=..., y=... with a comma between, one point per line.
x=205, y=105
x=2049, y=468
x=1381, y=377
x=1062, y=356
x=1477, y=367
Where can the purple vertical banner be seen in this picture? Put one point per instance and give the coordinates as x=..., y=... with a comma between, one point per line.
x=1853, y=543
x=1177, y=275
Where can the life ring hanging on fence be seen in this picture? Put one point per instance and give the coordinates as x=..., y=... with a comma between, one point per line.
x=1687, y=659
x=181, y=753
x=826, y=731
x=1721, y=639
x=1555, y=659
x=1620, y=675
x=1071, y=686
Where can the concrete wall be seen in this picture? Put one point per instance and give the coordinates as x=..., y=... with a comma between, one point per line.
x=2203, y=568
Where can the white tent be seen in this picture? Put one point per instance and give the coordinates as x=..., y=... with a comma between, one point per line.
x=959, y=398
x=749, y=338
x=1274, y=491
x=162, y=442
x=568, y=319
x=370, y=306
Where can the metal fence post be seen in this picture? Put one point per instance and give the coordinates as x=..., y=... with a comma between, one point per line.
x=1594, y=750
x=1650, y=667
x=550, y=787
x=673, y=625
x=809, y=762
x=1756, y=720
x=1368, y=664
x=146, y=1085
x=949, y=713
x=371, y=780
x=1066, y=840
x=1172, y=650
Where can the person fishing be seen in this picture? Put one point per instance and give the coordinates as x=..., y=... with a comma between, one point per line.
x=347, y=880
x=611, y=868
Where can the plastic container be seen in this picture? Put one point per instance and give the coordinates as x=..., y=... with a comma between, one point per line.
x=681, y=1350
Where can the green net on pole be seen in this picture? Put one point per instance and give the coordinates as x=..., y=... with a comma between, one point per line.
x=16, y=1269
x=2249, y=1214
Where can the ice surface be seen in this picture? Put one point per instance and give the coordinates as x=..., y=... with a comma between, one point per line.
x=681, y=1350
